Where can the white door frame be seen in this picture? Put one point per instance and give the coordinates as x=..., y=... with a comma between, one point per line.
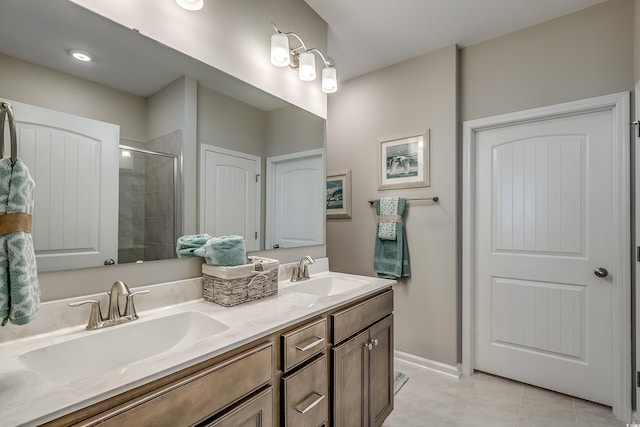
x=618, y=104
x=635, y=138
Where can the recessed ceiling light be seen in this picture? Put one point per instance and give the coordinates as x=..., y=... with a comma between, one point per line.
x=81, y=55
x=191, y=4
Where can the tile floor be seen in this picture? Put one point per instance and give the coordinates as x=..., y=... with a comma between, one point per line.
x=430, y=399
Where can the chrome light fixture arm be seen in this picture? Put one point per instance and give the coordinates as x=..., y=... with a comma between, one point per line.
x=301, y=58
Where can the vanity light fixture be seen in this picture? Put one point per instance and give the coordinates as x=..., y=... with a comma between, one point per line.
x=191, y=4
x=302, y=59
x=80, y=55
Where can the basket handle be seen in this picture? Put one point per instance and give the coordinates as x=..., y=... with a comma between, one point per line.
x=256, y=275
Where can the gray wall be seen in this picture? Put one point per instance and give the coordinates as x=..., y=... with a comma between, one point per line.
x=227, y=123
x=585, y=54
x=33, y=84
x=290, y=129
x=402, y=100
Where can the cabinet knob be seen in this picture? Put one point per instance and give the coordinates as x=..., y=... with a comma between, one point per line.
x=375, y=342
x=368, y=345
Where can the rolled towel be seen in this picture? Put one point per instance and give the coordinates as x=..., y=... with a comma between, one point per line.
x=223, y=250
x=188, y=244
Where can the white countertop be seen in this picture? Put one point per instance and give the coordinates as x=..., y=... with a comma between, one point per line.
x=26, y=398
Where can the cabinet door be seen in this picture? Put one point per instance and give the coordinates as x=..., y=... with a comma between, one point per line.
x=256, y=412
x=381, y=371
x=351, y=382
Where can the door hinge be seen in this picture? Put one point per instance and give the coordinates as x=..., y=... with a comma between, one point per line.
x=637, y=378
x=257, y=177
x=256, y=235
x=638, y=253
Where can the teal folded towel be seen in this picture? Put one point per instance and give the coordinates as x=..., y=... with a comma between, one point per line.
x=188, y=244
x=19, y=287
x=223, y=250
x=391, y=257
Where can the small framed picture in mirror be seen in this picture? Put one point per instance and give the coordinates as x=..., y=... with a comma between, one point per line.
x=338, y=194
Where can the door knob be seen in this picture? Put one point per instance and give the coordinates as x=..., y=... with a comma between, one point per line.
x=601, y=272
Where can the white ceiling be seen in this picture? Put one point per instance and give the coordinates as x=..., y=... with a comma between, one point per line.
x=366, y=35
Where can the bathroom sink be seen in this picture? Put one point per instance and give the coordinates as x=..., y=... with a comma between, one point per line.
x=100, y=351
x=327, y=285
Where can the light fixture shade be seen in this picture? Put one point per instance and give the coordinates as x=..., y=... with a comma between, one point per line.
x=329, y=80
x=280, y=56
x=191, y=4
x=307, y=66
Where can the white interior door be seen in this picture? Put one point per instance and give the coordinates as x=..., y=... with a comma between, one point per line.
x=295, y=200
x=230, y=194
x=74, y=163
x=546, y=231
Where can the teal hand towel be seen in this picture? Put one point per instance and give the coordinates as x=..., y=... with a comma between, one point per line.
x=223, y=250
x=19, y=287
x=391, y=257
x=188, y=244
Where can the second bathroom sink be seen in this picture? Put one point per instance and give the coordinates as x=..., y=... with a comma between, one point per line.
x=327, y=285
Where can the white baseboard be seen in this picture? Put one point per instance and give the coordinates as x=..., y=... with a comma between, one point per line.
x=432, y=365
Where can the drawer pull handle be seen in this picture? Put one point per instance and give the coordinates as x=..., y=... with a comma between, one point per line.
x=316, y=399
x=315, y=342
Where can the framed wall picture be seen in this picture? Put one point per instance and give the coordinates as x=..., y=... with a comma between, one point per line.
x=404, y=162
x=338, y=196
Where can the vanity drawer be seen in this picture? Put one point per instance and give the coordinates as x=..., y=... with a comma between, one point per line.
x=305, y=395
x=255, y=412
x=357, y=317
x=303, y=343
x=197, y=396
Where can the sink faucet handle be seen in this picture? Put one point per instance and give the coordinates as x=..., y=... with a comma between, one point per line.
x=305, y=272
x=95, y=317
x=130, y=308
x=295, y=273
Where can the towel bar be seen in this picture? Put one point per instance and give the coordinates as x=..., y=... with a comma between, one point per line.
x=434, y=199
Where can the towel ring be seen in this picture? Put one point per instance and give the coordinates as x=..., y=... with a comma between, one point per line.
x=5, y=109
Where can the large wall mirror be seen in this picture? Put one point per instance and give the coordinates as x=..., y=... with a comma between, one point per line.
x=135, y=119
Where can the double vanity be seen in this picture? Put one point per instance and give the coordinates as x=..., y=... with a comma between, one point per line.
x=320, y=352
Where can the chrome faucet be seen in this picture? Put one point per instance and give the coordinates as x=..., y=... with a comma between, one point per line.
x=115, y=316
x=301, y=270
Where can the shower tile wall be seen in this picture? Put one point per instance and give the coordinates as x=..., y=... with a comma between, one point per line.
x=158, y=208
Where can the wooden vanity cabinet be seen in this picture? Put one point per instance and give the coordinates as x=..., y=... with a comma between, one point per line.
x=334, y=369
x=241, y=384
x=362, y=365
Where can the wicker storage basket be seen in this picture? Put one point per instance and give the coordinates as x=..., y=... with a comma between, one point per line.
x=229, y=286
